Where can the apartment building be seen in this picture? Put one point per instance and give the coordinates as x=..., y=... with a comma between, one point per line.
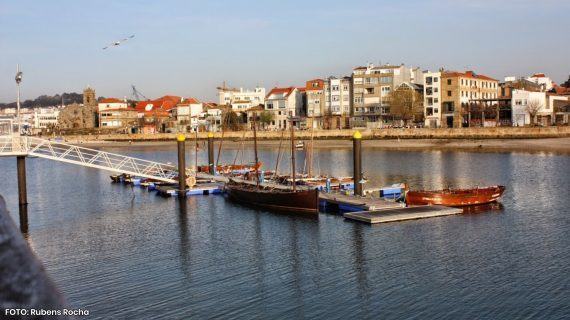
x=45, y=118
x=284, y=103
x=241, y=99
x=314, y=90
x=371, y=87
x=450, y=97
x=432, y=99
x=337, y=98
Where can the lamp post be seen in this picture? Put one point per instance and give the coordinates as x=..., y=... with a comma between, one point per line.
x=18, y=80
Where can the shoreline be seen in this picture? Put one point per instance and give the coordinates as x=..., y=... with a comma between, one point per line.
x=556, y=145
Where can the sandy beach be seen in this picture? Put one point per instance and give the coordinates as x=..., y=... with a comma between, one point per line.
x=556, y=145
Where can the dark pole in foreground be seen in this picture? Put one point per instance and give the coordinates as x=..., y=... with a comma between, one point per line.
x=181, y=165
x=357, y=161
x=22, y=193
x=211, y=153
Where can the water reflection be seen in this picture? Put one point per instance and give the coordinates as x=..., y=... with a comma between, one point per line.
x=151, y=257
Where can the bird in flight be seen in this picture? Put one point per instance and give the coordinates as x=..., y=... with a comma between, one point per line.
x=118, y=43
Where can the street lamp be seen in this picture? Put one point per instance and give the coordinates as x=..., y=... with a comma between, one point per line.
x=18, y=80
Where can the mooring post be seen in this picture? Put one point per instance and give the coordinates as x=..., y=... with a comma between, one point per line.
x=357, y=162
x=211, y=163
x=181, y=165
x=22, y=193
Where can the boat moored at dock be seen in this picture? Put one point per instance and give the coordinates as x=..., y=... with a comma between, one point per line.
x=455, y=197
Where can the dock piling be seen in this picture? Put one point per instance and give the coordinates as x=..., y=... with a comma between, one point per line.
x=211, y=163
x=181, y=164
x=357, y=162
x=22, y=193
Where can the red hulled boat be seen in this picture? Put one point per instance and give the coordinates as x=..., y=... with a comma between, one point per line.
x=455, y=197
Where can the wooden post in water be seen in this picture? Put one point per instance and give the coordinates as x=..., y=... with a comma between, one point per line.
x=211, y=163
x=293, y=155
x=22, y=193
x=357, y=162
x=255, y=149
x=181, y=165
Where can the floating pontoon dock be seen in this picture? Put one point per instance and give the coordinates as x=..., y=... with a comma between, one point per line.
x=402, y=214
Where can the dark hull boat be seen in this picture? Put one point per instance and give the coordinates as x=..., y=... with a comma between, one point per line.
x=283, y=200
x=455, y=197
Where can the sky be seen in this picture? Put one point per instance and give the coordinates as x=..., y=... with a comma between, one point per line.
x=188, y=48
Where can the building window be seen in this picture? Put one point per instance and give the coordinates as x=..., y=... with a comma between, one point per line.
x=369, y=90
x=435, y=79
x=449, y=82
x=449, y=93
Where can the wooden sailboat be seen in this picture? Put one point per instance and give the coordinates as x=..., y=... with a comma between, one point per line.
x=273, y=196
x=456, y=197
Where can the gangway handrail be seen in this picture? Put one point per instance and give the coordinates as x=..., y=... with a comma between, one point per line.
x=87, y=157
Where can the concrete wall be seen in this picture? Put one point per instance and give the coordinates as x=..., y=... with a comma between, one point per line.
x=417, y=133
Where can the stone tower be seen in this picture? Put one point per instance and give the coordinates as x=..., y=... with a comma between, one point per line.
x=89, y=99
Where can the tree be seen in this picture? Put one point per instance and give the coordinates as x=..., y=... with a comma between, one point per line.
x=230, y=121
x=405, y=102
x=533, y=107
x=265, y=118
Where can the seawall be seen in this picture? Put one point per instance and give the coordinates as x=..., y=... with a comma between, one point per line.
x=371, y=134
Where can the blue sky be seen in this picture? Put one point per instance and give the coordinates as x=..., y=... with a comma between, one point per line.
x=188, y=48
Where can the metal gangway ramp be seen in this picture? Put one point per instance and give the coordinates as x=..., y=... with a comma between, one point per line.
x=15, y=145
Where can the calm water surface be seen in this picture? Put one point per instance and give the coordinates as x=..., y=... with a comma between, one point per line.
x=125, y=253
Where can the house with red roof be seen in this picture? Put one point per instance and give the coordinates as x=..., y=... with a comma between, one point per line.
x=284, y=103
x=155, y=114
x=112, y=103
x=185, y=115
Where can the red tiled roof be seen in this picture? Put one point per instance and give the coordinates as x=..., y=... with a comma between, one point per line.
x=111, y=100
x=538, y=75
x=163, y=103
x=309, y=86
x=561, y=90
x=190, y=100
x=285, y=91
x=360, y=68
x=118, y=109
x=467, y=74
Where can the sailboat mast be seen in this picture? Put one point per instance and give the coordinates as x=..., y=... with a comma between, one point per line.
x=255, y=148
x=196, y=148
x=293, y=155
x=279, y=154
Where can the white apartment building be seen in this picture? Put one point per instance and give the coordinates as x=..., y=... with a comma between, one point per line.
x=337, y=99
x=45, y=117
x=432, y=99
x=112, y=104
x=241, y=99
x=283, y=103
